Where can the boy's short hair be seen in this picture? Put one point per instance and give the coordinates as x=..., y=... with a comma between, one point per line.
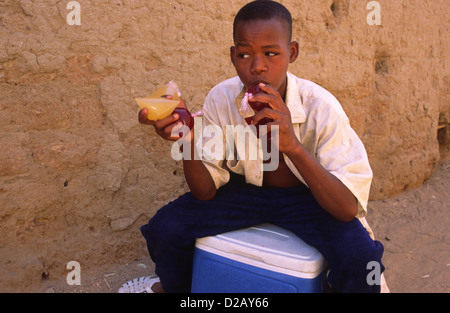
x=263, y=10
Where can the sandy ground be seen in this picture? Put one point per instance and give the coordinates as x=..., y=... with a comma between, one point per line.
x=412, y=226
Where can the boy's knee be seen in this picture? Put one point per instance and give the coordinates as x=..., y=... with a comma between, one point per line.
x=372, y=253
x=357, y=267
x=363, y=253
x=162, y=228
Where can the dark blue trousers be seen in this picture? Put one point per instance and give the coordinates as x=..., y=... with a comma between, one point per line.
x=172, y=232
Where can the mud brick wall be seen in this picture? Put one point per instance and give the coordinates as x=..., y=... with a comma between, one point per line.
x=79, y=175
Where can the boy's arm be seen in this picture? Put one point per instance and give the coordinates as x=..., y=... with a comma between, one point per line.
x=198, y=177
x=196, y=174
x=328, y=190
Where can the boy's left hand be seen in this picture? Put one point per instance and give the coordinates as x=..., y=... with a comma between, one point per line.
x=280, y=115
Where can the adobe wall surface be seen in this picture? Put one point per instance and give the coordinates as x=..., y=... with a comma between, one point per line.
x=79, y=175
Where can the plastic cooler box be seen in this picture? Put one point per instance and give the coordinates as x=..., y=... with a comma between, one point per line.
x=260, y=259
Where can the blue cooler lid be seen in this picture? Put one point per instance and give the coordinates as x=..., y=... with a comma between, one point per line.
x=267, y=246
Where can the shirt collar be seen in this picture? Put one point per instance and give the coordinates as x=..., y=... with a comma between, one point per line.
x=293, y=100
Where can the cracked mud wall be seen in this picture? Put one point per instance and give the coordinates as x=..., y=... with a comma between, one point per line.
x=79, y=175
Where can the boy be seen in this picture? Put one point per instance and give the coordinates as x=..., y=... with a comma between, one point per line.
x=319, y=188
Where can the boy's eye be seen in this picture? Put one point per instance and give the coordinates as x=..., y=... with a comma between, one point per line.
x=271, y=54
x=244, y=55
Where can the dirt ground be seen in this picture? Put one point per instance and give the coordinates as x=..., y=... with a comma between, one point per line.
x=412, y=226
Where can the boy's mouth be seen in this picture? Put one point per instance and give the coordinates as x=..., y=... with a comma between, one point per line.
x=257, y=82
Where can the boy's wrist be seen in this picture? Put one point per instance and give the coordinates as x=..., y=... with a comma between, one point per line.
x=295, y=148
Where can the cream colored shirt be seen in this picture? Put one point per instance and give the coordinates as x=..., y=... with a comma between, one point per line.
x=319, y=123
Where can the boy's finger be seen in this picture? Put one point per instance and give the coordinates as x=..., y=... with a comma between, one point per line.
x=167, y=121
x=270, y=90
x=273, y=101
x=182, y=104
x=265, y=113
x=142, y=117
x=270, y=96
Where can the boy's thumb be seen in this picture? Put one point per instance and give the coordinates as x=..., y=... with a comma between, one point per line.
x=182, y=104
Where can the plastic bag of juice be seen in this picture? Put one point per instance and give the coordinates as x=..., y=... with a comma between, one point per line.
x=164, y=102
x=160, y=103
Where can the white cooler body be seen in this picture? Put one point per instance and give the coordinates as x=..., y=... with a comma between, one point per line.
x=260, y=259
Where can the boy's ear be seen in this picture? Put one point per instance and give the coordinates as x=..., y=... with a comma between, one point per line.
x=232, y=54
x=293, y=50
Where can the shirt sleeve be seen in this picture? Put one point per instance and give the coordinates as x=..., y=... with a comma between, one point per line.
x=342, y=153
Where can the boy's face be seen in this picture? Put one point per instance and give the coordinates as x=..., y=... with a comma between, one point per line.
x=262, y=53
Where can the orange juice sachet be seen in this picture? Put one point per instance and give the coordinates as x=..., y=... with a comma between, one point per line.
x=158, y=105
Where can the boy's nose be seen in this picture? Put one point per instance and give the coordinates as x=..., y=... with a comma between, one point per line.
x=258, y=65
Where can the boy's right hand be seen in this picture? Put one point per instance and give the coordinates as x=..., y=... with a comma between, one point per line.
x=197, y=175
x=164, y=126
